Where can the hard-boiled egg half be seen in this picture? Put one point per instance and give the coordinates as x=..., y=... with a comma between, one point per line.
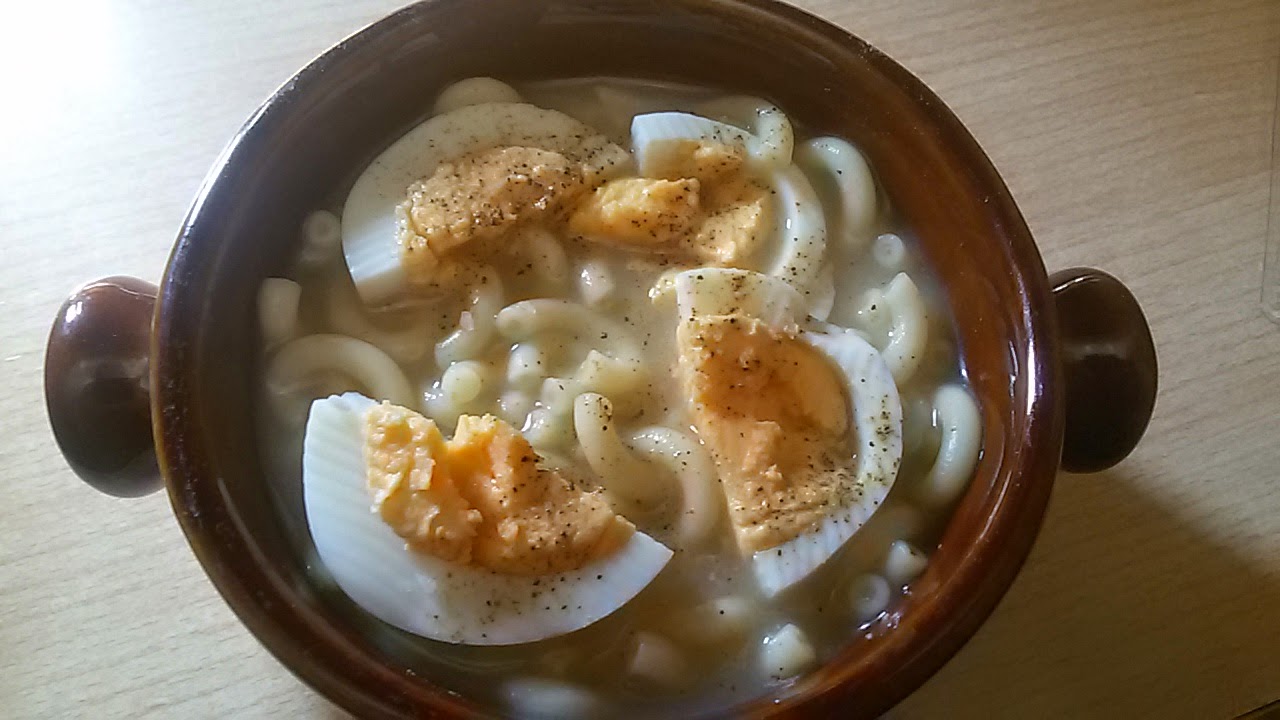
x=670, y=144
x=469, y=540
x=802, y=419
x=375, y=215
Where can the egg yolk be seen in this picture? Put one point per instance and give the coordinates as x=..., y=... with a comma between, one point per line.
x=772, y=411
x=481, y=498
x=703, y=205
x=480, y=197
x=639, y=212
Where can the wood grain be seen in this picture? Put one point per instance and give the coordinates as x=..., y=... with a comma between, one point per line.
x=1134, y=133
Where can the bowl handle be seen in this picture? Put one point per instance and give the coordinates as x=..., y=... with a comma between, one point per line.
x=97, y=385
x=1109, y=360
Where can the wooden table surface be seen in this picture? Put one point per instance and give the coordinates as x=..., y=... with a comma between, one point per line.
x=1134, y=133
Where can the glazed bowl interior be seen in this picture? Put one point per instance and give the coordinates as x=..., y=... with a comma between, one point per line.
x=304, y=148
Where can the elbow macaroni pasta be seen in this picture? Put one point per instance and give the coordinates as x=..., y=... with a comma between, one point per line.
x=961, y=426
x=321, y=239
x=545, y=256
x=595, y=282
x=476, y=326
x=474, y=91
x=909, y=329
x=802, y=230
x=544, y=316
x=702, y=503
x=372, y=370
x=528, y=364
x=278, y=310
x=347, y=315
x=845, y=170
x=889, y=252
x=458, y=390
x=615, y=377
x=624, y=476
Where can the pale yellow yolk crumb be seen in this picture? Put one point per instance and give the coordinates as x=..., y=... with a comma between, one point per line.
x=480, y=197
x=481, y=498
x=639, y=212
x=703, y=205
x=772, y=411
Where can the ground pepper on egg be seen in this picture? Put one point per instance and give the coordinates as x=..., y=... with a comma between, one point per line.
x=482, y=498
x=773, y=412
x=704, y=205
x=478, y=198
x=701, y=203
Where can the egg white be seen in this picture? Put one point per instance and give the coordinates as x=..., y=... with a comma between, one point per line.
x=875, y=405
x=432, y=597
x=369, y=224
x=653, y=135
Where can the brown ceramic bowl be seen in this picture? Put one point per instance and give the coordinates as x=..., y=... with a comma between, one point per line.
x=1049, y=358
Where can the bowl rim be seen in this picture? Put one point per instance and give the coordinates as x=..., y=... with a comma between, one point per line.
x=343, y=672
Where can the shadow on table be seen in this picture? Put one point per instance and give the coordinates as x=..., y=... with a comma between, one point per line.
x=1121, y=611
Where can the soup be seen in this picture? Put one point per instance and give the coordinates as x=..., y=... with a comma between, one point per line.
x=701, y=342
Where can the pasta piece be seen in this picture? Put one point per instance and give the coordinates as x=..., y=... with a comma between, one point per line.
x=787, y=653
x=542, y=699
x=843, y=169
x=549, y=425
x=802, y=230
x=544, y=316
x=278, y=300
x=909, y=330
x=369, y=369
x=527, y=365
x=598, y=373
x=904, y=563
x=514, y=406
x=476, y=325
x=702, y=502
x=869, y=596
x=547, y=256
x=917, y=424
x=548, y=431
x=474, y=91
x=347, y=315
x=657, y=660
x=725, y=620
x=321, y=239
x=889, y=252
x=595, y=282
x=463, y=381
x=627, y=479
x=961, y=425
x=457, y=390
x=615, y=377
x=871, y=318
x=774, y=139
